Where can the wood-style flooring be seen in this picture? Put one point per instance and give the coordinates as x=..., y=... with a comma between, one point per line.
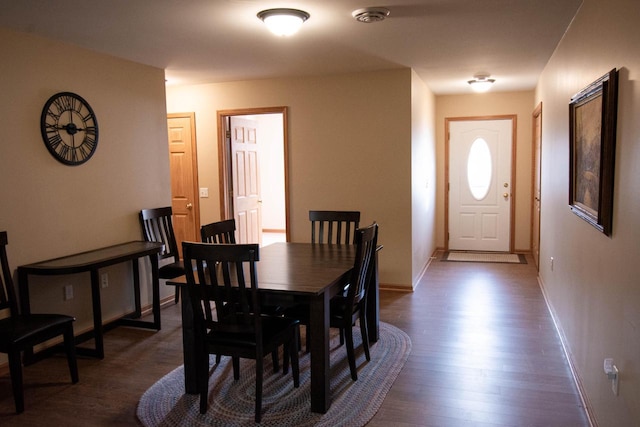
x=485, y=353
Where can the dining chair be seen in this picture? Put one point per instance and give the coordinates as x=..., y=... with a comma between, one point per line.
x=219, y=232
x=352, y=305
x=21, y=332
x=157, y=226
x=225, y=232
x=236, y=326
x=334, y=226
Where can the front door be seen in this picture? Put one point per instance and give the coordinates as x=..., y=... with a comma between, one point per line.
x=184, y=178
x=246, y=179
x=480, y=184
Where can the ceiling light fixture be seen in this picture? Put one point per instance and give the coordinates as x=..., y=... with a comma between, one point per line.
x=481, y=83
x=370, y=14
x=283, y=22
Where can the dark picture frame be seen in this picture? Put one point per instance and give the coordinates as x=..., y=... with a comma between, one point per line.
x=592, y=134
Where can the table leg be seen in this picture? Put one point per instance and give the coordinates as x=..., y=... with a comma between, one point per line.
x=97, y=314
x=136, y=288
x=155, y=285
x=320, y=369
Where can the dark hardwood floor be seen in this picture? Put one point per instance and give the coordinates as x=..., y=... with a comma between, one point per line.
x=485, y=353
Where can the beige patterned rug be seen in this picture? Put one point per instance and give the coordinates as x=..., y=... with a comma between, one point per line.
x=484, y=257
x=232, y=403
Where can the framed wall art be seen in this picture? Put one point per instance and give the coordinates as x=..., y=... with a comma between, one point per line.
x=592, y=134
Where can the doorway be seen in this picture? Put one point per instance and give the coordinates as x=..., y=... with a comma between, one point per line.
x=253, y=168
x=479, y=197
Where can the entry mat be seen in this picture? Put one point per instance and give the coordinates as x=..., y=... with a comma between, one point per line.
x=484, y=257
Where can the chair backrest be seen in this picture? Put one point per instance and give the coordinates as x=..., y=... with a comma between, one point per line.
x=231, y=286
x=366, y=242
x=157, y=226
x=219, y=232
x=336, y=226
x=7, y=292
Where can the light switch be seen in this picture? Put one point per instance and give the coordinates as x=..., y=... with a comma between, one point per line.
x=204, y=192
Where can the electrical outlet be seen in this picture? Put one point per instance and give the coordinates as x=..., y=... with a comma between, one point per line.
x=68, y=292
x=104, y=280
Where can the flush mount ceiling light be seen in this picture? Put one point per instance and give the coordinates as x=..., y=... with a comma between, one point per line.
x=371, y=14
x=481, y=83
x=283, y=22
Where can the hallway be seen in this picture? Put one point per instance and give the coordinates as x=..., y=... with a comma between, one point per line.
x=485, y=351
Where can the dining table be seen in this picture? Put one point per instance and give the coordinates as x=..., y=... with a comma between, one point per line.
x=289, y=274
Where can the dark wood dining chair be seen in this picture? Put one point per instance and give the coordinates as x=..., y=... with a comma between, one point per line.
x=234, y=328
x=334, y=226
x=219, y=232
x=21, y=332
x=157, y=226
x=346, y=309
x=352, y=305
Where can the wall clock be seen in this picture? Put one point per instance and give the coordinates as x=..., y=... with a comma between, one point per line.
x=69, y=128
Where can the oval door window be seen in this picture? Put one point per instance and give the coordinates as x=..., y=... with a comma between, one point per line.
x=479, y=167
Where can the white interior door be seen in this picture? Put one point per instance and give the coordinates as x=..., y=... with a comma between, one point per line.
x=246, y=180
x=480, y=189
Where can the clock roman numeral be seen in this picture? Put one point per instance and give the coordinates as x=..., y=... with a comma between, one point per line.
x=55, y=141
x=64, y=151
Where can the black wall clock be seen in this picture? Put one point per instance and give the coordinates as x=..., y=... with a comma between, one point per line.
x=69, y=128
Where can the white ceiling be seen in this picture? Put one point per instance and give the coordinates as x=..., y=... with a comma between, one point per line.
x=445, y=41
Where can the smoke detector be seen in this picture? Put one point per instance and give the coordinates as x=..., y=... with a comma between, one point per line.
x=370, y=14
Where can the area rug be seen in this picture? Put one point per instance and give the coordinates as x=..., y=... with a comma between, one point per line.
x=231, y=403
x=484, y=257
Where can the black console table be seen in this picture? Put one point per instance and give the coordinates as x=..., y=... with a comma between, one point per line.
x=91, y=262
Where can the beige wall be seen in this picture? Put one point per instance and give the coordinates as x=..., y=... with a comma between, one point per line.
x=423, y=176
x=594, y=288
x=350, y=147
x=51, y=210
x=492, y=104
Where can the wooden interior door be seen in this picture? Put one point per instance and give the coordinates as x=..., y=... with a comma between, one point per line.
x=480, y=190
x=537, y=166
x=245, y=163
x=184, y=177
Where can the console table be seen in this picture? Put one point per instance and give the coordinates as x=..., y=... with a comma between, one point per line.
x=91, y=262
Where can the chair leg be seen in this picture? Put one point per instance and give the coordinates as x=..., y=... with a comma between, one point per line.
x=202, y=373
x=295, y=367
x=15, y=368
x=308, y=338
x=365, y=335
x=259, y=373
x=285, y=358
x=341, y=336
x=236, y=368
x=70, y=348
x=348, y=332
x=177, y=297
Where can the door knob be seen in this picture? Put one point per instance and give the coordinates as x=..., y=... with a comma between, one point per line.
x=505, y=195
x=189, y=206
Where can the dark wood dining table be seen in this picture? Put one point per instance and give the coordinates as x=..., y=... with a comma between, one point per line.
x=291, y=273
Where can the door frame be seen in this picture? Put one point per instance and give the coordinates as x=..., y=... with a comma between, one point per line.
x=536, y=169
x=447, y=121
x=224, y=158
